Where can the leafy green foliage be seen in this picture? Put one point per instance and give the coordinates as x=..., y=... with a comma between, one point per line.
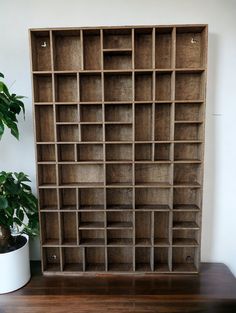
x=18, y=202
x=10, y=106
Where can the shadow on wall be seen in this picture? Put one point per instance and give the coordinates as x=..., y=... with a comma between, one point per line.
x=210, y=170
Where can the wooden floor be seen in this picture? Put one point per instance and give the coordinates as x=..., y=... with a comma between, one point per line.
x=214, y=290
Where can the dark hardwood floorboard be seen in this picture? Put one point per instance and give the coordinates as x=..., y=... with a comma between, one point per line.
x=213, y=290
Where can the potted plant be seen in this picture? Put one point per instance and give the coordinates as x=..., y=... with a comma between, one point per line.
x=18, y=206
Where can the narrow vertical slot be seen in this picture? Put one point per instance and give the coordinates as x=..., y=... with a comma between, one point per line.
x=41, y=51
x=143, y=122
x=44, y=116
x=68, y=228
x=161, y=228
x=50, y=225
x=163, y=48
x=163, y=86
x=143, y=228
x=91, y=50
x=162, y=121
x=143, y=48
x=143, y=86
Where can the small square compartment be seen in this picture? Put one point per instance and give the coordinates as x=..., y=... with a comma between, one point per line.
x=66, y=152
x=161, y=259
x=143, y=86
x=190, y=47
x=92, y=49
x=121, y=113
x=162, y=121
x=143, y=152
x=185, y=131
x=187, y=198
x=185, y=220
x=185, y=259
x=161, y=228
x=120, y=220
x=67, y=50
x=90, y=88
x=41, y=51
x=43, y=88
x=48, y=199
x=162, y=152
x=117, y=39
x=119, y=132
x=50, y=226
x=188, y=151
x=152, y=198
x=185, y=237
x=46, y=174
x=152, y=174
x=119, y=152
x=72, y=259
x=118, y=87
x=90, y=152
x=163, y=49
x=91, y=199
x=91, y=220
x=91, y=113
x=189, y=86
x=118, y=174
x=51, y=259
x=68, y=199
x=95, y=259
x=143, y=225
x=119, y=198
x=92, y=237
x=163, y=86
x=69, y=228
x=189, y=174
x=84, y=174
x=189, y=112
x=117, y=60
x=46, y=153
x=67, y=133
x=91, y=133
x=66, y=88
x=143, y=259
x=44, y=123
x=120, y=259
x=143, y=48
x=67, y=113
x=143, y=122
x=119, y=237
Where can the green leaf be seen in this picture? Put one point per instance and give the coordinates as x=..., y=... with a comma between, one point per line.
x=1, y=75
x=1, y=129
x=3, y=203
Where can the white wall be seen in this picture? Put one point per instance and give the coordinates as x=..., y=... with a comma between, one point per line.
x=17, y=16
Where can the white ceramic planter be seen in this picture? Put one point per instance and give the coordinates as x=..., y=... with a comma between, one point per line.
x=14, y=268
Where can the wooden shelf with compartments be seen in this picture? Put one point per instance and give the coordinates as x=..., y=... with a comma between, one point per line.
x=119, y=131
